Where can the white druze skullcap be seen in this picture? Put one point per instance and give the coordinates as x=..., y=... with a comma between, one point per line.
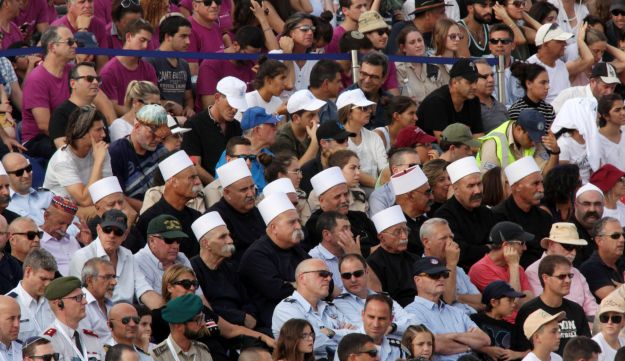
x=388, y=218
x=283, y=185
x=104, y=187
x=174, y=164
x=408, y=180
x=521, y=169
x=274, y=205
x=206, y=223
x=462, y=168
x=233, y=171
x=327, y=179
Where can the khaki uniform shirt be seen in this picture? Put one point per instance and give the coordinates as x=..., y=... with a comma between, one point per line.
x=197, y=352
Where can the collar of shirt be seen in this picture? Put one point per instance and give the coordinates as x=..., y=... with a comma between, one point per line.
x=99, y=250
x=325, y=253
x=179, y=351
x=48, y=238
x=321, y=305
x=156, y=261
x=21, y=293
x=429, y=304
x=69, y=332
x=14, y=193
x=114, y=30
x=90, y=299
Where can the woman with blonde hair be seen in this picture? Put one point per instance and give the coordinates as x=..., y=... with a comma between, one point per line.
x=449, y=41
x=138, y=94
x=295, y=342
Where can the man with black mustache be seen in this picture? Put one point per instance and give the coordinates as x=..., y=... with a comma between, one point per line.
x=588, y=210
x=523, y=205
x=469, y=220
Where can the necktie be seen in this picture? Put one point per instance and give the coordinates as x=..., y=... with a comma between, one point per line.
x=77, y=341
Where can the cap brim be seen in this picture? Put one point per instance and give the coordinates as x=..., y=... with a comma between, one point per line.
x=180, y=130
x=526, y=237
x=316, y=104
x=563, y=36
x=535, y=136
x=364, y=103
x=113, y=224
x=436, y=270
x=429, y=7
x=237, y=103
x=174, y=235
x=610, y=80
x=472, y=143
x=514, y=294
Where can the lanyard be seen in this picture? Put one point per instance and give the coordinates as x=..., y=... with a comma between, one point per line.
x=173, y=351
x=81, y=355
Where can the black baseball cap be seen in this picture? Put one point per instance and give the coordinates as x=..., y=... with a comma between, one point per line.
x=465, y=68
x=509, y=231
x=498, y=289
x=114, y=218
x=333, y=130
x=429, y=266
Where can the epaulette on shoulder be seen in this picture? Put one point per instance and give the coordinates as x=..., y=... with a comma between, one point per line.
x=12, y=294
x=90, y=333
x=201, y=345
x=19, y=341
x=394, y=342
x=341, y=296
x=50, y=332
x=160, y=349
x=289, y=300
x=42, y=189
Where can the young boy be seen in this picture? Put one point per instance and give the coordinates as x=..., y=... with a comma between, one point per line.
x=543, y=332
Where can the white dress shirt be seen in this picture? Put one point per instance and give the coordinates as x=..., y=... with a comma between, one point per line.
x=36, y=316
x=96, y=320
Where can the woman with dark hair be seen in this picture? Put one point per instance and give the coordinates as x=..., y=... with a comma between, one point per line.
x=611, y=117
x=83, y=160
x=270, y=82
x=561, y=183
x=534, y=79
x=295, y=342
x=438, y=179
x=496, y=187
x=402, y=112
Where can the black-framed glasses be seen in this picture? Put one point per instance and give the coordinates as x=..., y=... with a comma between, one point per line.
x=436, y=276
x=564, y=276
x=31, y=234
x=90, y=78
x=614, y=318
x=186, y=284
x=250, y=157
x=615, y=235
x=569, y=247
x=504, y=41
x=127, y=3
x=371, y=353
x=77, y=298
x=20, y=172
x=356, y=274
x=617, y=12
x=126, y=319
x=47, y=357
x=321, y=273
x=116, y=231
x=69, y=42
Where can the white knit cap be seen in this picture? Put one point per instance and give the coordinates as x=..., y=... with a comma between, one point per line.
x=104, y=187
x=283, y=185
x=388, y=218
x=408, y=180
x=327, y=179
x=462, y=168
x=521, y=169
x=588, y=187
x=273, y=205
x=175, y=164
x=232, y=172
x=206, y=223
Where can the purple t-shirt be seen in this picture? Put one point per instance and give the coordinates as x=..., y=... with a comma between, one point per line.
x=112, y=40
x=102, y=10
x=225, y=11
x=51, y=11
x=96, y=27
x=36, y=12
x=333, y=47
x=115, y=78
x=203, y=39
x=42, y=90
x=14, y=35
x=391, y=80
x=212, y=71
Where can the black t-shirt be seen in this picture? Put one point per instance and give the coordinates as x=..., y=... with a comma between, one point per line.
x=499, y=331
x=60, y=118
x=575, y=324
x=395, y=272
x=437, y=111
x=309, y=170
x=10, y=273
x=583, y=253
x=173, y=81
x=598, y=274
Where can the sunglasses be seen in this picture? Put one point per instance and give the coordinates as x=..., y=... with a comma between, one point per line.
x=246, y=156
x=615, y=235
x=339, y=141
x=47, y=357
x=456, y=37
x=569, y=247
x=209, y=2
x=70, y=42
x=186, y=284
x=368, y=108
x=356, y=274
x=118, y=232
x=31, y=234
x=504, y=41
x=77, y=298
x=90, y=78
x=371, y=353
x=20, y=172
x=306, y=28
x=563, y=276
x=617, y=13
x=127, y=3
x=320, y=273
x=381, y=32
x=438, y=276
x=614, y=318
x=126, y=320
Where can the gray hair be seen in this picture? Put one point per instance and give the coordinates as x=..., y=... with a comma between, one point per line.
x=50, y=36
x=90, y=269
x=427, y=228
x=600, y=225
x=39, y=258
x=397, y=157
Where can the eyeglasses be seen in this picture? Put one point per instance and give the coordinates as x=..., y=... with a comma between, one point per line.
x=437, y=276
x=249, y=157
x=126, y=320
x=398, y=232
x=372, y=353
x=70, y=41
x=615, y=235
x=90, y=78
x=368, y=108
x=31, y=234
x=569, y=247
x=306, y=335
x=77, y=298
x=381, y=32
x=116, y=231
x=485, y=76
x=519, y=4
x=186, y=284
x=47, y=357
x=20, y=172
x=563, y=276
x=614, y=318
x=617, y=12
x=504, y=41
x=306, y=28
x=456, y=37
x=126, y=3
x=320, y=273
x=356, y=274
x=553, y=26
x=296, y=171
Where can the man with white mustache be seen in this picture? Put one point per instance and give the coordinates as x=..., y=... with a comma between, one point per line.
x=57, y=218
x=214, y=272
x=523, y=205
x=182, y=184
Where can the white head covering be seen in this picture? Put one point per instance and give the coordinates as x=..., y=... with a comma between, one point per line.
x=273, y=205
x=388, y=218
x=174, y=164
x=462, y=168
x=408, y=180
x=232, y=172
x=521, y=169
x=207, y=222
x=588, y=187
x=104, y=187
x=327, y=179
x=283, y=185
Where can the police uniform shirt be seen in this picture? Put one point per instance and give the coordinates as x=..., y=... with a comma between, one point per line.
x=62, y=338
x=32, y=204
x=389, y=350
x=326, y=316
x=35, y=315
x=13, y=353
x=331, y=261
x=197, y=352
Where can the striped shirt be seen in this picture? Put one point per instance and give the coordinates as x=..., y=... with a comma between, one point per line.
x=524, y=103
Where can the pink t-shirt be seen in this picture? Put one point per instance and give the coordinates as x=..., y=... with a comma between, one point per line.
x=211, y=71
x=115, y=78
x=14, y=35
x=96, y=27
x=203, y=39
x=36, y=12
x=225, y=11
x=102, y=10
x=42, y=90
x=333, y=47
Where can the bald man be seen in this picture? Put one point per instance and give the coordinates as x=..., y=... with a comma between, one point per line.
x=9, y=266
x=25, y=201
x=24, y=235
x=9, y=329
x=5, y=197
x=124, y=324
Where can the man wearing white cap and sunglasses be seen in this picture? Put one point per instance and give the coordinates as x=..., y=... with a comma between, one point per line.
x=107, y=194
x=267, y=268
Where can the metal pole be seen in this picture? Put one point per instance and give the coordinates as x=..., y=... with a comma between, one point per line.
x=501, y=89
x=355, y=66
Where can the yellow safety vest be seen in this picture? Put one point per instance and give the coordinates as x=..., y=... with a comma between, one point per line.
x=500, y=136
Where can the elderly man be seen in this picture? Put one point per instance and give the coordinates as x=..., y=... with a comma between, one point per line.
x=55, y=239
x=563, y=240
x=391, y=263
x=333, y=192
x=238, y=205
x=99, y=281
x=236, y=147
x=267, y=268
x=131, y=282
x=107, y=194
x=438, y=241
x=186, y=324
x=604, y=269
x=469, y=220
x=455, y=333
x=162, y=251
x=522, y=206
x=603, y=80
x=182, y=184
x=312, y=283
x=10, y=316
x=25, y=200
x=68, y=305
x=9, y=266
x=39, y=270
x=214, y=271
x=24, y=236
x=124, y=324
x=589, y=204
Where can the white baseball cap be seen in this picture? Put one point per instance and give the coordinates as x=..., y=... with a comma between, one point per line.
x=174, y=164
x=550, y=31
x=104, y=187
x=234, y=89
x=175, y=128
x=206, y=223
x=353, y=97
x=303, y=100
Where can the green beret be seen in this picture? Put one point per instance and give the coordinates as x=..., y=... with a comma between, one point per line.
x=182, y=309
x=61, y=287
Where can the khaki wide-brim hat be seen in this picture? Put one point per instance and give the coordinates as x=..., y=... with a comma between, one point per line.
x=612, y=303
x=538, y=318
x=563, y=232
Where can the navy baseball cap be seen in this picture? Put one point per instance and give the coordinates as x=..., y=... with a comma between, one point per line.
x=429, y=266
x=533, y=122
x=498, y=289
x=256, y=116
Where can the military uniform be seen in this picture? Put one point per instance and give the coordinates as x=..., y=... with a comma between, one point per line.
x=197, y=352
x=62, y=338
x=389, y=350
x=31, y=204
x=35, y=315
x=13, y=353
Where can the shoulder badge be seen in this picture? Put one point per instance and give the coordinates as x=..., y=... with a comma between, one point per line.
x=289, y=300
x=89, y=332
x=12, y=294
x=42, y=189
x=50, y=332
x=159, y=350
x=394, y=342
